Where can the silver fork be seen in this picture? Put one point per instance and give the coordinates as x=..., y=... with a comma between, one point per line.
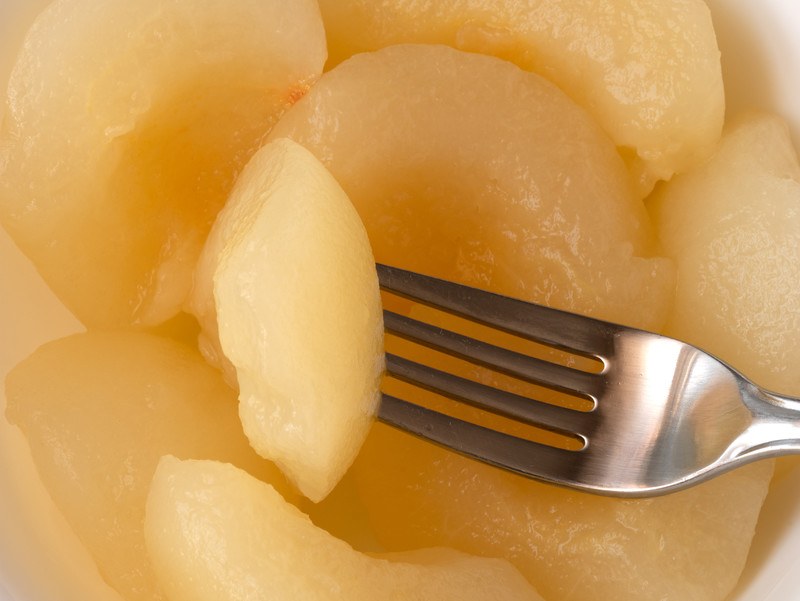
x=665, y=415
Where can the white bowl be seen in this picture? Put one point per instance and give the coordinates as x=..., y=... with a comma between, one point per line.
x=40, y=558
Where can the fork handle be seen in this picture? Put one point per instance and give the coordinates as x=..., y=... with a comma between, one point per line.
x=775, y=426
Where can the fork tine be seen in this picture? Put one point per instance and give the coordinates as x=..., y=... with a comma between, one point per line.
x=496, y=448
x=501, y=402
x=557, y=328
x=532, y=369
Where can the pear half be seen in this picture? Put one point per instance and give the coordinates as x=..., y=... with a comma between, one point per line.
x=215, y=533
x=299, y=314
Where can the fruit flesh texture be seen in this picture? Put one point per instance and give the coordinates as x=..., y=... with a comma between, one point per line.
x=149, y=111
x=738, y=252
x=649, y=73
x=216, y=533
x=474, y=160
x=689, y=545
x=98, y=411
x=299, y=314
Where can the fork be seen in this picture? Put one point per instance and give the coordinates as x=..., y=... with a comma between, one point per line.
x=664, y=414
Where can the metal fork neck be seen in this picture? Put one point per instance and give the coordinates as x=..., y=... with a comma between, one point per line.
x=775, y=429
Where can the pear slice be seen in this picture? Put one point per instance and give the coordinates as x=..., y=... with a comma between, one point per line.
x=98, y=410
x=299, y=314
x=573, y=546
x=648, y=72
x=126, y=125
x=733, y=228
x=214, y=533
x=480, y=172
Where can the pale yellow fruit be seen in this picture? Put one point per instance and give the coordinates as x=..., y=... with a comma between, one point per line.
x=649, y=72
x=572, y=546
x=478, y=171
x=733, y=227
x=299, y=314
x=126, y=125
x=98, y=411
x=214, y=533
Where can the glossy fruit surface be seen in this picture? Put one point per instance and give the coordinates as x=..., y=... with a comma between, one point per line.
x=217, y=534
x=290, y=272
x=126, y=125
x=98, y=411
x=648, y=73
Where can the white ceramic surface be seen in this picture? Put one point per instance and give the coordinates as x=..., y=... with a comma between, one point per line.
x=40, y=559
